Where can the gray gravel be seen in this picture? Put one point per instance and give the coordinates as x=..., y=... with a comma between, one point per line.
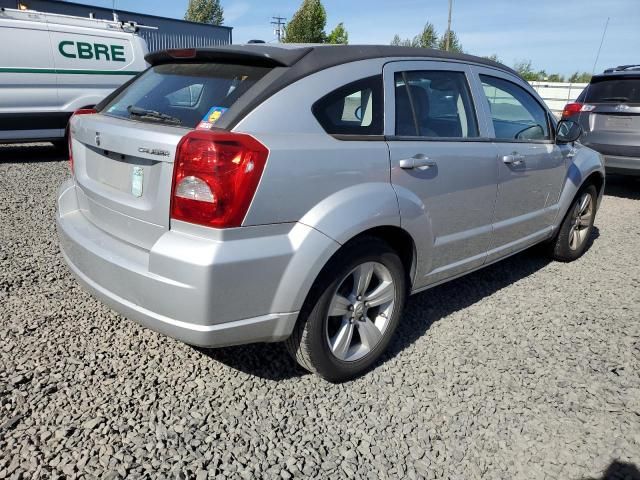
x=525, y=370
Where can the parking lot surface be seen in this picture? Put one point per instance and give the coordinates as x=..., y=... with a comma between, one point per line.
x=527, y=369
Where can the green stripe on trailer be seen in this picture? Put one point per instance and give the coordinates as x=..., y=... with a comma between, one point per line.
x=63, y=71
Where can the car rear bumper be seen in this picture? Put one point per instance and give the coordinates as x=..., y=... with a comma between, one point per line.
x=622, y=165
x=202, y=291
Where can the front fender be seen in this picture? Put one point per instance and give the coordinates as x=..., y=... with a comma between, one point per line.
x=585, y=163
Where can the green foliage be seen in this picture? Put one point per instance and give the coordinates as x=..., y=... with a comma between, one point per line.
x=578, y=77
x=205, y=11
x=339, y=35
x=399, y=42
x=429, y=38
x=307, y=24
x=524, y=69
x=493, y=57
x=555, y=77
x=454, y=42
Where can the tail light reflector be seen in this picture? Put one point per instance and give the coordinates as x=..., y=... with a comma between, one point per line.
x=215, y=177
x=82, y=111
x=571, y=109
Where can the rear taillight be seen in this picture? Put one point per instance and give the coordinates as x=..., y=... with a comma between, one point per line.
x=215, y=176
x=571, y=109
x=82, y=111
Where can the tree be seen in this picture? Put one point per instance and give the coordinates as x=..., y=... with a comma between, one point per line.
x=556, y=77
x=454, y=43
x=428, y=38
x=399, y=42
x=524, y=69
x=205, y=11
x=307, y=24
x=578, y=77
x=339, y=35
x=493, y=57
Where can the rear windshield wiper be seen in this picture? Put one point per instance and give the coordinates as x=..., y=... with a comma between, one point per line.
x=152, y=115
x=614, y=99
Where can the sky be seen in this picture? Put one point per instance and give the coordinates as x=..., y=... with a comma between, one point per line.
x=559, y=36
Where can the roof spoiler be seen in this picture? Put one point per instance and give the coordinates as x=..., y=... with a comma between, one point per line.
x=622, y=68
x=258, y=55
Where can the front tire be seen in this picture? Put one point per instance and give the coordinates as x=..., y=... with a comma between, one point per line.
x=352, y=311
x=573, y=237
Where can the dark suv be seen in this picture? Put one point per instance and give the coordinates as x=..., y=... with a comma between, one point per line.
x=609, y=112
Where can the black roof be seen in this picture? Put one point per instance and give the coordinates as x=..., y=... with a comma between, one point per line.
x=623, y=71
x=312, y=58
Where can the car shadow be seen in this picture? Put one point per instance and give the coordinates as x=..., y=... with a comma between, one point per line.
x=269, y=361
x=623, y=186
x=272, y=362
x=618, y=470
x=31, y=153
x=426, y=308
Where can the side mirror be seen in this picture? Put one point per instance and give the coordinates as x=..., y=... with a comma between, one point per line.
x=568, y=131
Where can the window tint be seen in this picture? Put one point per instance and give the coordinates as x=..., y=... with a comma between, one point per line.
x=355, y=109
x=515, y=112
x=613, y=90
x=186, y=92
x=434, y=104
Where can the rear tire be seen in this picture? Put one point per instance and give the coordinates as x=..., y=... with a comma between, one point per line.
x=575, y=231
x=351, y=312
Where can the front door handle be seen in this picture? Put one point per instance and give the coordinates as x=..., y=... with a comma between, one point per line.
x=417, y=161
x=514, y=159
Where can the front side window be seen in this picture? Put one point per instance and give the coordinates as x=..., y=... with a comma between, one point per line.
x=515, y=112
x=434, y=104
x=355, y=109
x=184, y=94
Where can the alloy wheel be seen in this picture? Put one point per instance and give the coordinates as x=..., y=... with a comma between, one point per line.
x=360, y=311
x=581, y=221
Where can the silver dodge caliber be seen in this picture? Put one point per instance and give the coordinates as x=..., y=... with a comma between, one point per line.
x=264, y=193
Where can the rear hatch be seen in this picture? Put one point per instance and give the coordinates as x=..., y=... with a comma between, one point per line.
x=123, y=157
x=611, y=119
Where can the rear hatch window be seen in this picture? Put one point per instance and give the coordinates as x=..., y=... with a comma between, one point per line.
x=614, y=90
x=184, y=94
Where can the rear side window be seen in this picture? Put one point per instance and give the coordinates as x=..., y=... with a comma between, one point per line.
x=435, y=104
x=613, y=90
x=184, y=94
x=515, y=112
x=355, y=109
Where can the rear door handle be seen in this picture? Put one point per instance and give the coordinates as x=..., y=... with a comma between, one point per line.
x=514, y=159
x=417, y=161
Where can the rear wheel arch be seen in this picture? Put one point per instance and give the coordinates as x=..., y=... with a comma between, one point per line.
x=399, y=240
x=395, y=237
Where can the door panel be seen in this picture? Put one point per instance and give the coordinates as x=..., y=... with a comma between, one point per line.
x=28, y=80
x=438, y=153
x=530, y=166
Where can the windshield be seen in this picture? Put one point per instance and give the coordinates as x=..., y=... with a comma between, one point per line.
x=618, y=90
x=184, y=94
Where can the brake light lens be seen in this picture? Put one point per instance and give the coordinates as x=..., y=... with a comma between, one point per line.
x=215, y=177
x=571, y=109
x=82, y=111
x=182, y=52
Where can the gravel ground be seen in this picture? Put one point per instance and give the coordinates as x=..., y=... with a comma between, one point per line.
x=527, y=369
